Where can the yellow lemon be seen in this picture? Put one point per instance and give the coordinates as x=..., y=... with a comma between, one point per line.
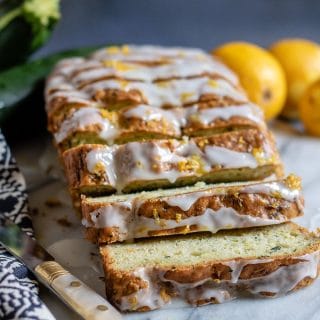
x=300, y=60
x=309, y=108
x=259, y=72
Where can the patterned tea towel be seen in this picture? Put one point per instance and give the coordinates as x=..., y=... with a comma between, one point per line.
x=18, y=288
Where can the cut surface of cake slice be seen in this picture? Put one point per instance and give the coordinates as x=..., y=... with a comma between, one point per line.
x=203, y=268
x=232, y=156
x=191, y=209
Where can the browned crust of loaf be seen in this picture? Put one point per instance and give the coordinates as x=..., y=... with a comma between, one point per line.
x=120, y=283
x=219, y=125
x=76, y=171
x=256, y=205
x=241, y=141
x=307, y=281
x=248, y=140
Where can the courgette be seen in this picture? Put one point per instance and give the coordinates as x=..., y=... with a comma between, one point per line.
x=25, y=25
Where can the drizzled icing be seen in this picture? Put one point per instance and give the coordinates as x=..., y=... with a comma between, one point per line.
x=77, y=79
x=97, y=161
x=148, y=53
x=171, y=120
x=84, y=117
x=158, y=160
x=277, y=283
x=174, y=92
x=131, y=71
x=275, y=188
x=229, y=158
x=146, y=113
x=248, y=111
x=208, y=220
x=186, y=201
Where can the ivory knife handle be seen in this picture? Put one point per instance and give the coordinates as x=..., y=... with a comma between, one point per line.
x=78, y=296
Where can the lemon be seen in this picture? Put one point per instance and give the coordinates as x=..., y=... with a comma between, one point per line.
x=309, y=108
x=260, y=74
x=300, y=60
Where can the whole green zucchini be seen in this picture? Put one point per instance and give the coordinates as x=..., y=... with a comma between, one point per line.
x=25, y=25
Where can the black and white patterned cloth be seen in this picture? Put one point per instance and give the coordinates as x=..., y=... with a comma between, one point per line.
x=18, y=288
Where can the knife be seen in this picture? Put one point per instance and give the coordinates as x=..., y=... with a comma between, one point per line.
x=72, y=291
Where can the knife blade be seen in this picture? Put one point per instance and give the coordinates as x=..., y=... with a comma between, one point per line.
x=72, y=291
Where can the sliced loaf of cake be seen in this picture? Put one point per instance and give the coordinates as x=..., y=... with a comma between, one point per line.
x=191, y=209
x=203, y=268
x=143, y=122
x=233, y=156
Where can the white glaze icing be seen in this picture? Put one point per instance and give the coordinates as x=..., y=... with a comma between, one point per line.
x=213, y=221
x=174, y=92
x=95, y=159
x=174, y=118
x=206, y=292
x=140, y=159
x=207, y=220
x=72, y=96
x=148, y=53
x=155, y=160
x=285, y=278
x=147, y=74
x=278, y=283
x=111, y=216
x=229, y=158
x=186, y=201
x=248, y=111
x=193, y=64
x=274, y=187
x=150, y=295
x=84, y=117
x=71, y=73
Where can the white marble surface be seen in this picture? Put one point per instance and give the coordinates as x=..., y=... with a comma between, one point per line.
x=300, y=154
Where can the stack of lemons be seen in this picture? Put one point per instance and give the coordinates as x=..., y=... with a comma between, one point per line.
x=282, y=80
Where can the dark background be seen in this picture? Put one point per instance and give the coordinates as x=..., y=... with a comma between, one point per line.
x=198, y=23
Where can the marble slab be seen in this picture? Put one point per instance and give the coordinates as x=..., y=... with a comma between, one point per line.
x=58, y=229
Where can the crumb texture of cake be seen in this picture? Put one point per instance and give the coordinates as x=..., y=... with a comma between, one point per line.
x=265, y=261
x=232, y=156
x=190, y=209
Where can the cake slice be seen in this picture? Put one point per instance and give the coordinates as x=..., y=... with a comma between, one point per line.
x=233, y=156
x=191, y=209
x=143, y=122
x=203, y=268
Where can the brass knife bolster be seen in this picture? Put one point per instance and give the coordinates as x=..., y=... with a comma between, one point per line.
x=48, y=271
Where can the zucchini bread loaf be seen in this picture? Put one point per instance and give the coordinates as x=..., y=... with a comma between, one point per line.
x=129, y=120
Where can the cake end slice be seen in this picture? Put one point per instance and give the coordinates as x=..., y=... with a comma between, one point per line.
x=203, y=268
